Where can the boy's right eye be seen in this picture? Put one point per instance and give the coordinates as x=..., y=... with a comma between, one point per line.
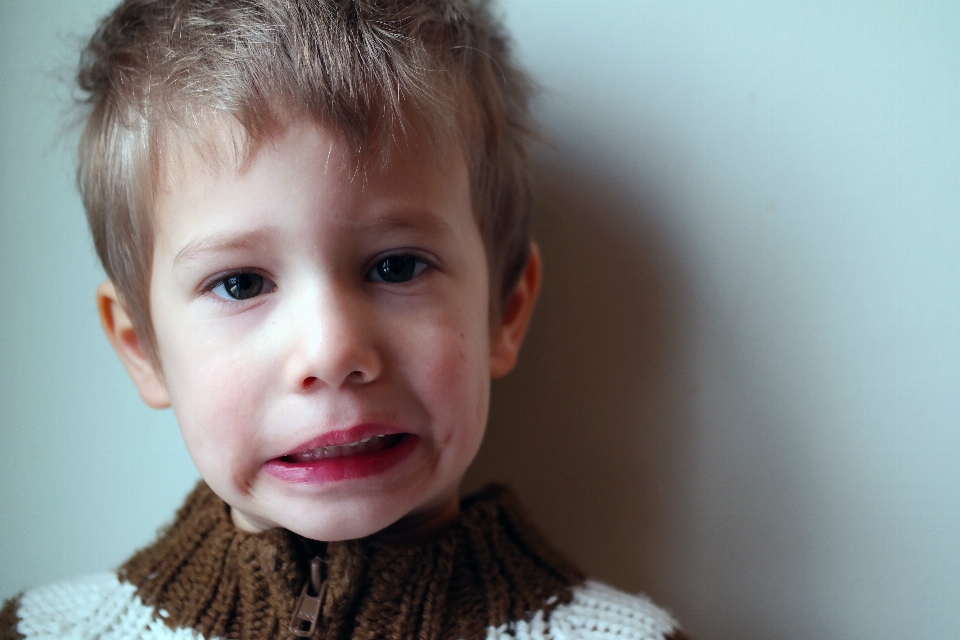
x=241, y=286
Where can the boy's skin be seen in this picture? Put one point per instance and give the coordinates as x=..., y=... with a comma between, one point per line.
x=325, y=350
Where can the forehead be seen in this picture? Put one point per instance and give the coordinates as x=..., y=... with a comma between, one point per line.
x=221, y=179
x=220, y=146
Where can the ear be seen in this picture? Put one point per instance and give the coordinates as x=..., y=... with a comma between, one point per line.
x=517, y=311
x=119, y=329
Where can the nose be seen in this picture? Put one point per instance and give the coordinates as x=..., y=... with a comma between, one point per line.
x=333, y=341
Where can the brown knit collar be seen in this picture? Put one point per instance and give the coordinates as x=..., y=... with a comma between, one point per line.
x=490, y=567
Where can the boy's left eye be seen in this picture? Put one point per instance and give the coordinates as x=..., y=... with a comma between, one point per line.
x=396, y=269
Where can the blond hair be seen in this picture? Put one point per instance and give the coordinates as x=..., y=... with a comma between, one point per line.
x=369, y=69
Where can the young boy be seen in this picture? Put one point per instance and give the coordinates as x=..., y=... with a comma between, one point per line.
x=314, y=218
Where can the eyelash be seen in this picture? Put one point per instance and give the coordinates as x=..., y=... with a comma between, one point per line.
x=421, y=264
x=267, y=286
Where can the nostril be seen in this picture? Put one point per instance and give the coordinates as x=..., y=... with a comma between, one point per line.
x=354, y=377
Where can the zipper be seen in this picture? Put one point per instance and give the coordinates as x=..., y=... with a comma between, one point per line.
x=305, y=616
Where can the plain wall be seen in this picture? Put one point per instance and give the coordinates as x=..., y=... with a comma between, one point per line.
x=740, y=393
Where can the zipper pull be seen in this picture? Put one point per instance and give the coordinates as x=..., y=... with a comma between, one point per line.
x=305, y=616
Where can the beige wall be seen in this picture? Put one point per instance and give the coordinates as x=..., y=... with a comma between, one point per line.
x=741, y=390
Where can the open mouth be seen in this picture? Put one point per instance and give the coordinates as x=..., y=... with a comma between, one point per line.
x=373, y=444
x=370, y=454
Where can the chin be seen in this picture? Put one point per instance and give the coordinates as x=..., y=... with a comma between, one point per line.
x=337, y=531
x=347, y=520
x=336, y=513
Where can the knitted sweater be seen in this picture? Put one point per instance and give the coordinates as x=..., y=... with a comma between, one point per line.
x=488, y=576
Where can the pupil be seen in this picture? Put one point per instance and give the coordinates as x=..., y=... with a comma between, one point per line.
x=397, y=268
x=244, y=285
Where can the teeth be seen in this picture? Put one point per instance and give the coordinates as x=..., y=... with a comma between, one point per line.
x=366, y=445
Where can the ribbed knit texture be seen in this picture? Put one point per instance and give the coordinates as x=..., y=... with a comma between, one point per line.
x=489, y=568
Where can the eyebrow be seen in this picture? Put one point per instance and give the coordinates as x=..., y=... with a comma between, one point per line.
x=412, y=219
x=406, y=219
x=222, y=243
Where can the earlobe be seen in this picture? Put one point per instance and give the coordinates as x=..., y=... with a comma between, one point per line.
x=120, y=332
x=517, y=311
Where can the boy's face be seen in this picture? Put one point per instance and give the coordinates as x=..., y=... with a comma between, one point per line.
x=324, y=331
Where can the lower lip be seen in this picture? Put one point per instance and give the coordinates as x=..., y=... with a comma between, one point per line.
x=343, y=468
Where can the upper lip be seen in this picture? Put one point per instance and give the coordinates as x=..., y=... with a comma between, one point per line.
x=344, y=436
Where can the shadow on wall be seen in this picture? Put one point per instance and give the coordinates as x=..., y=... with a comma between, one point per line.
x=593, y=426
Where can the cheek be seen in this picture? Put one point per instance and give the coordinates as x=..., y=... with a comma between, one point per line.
x=217, y=405
x=453, y=375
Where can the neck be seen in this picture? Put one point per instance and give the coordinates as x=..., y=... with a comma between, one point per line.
x=424, y=525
